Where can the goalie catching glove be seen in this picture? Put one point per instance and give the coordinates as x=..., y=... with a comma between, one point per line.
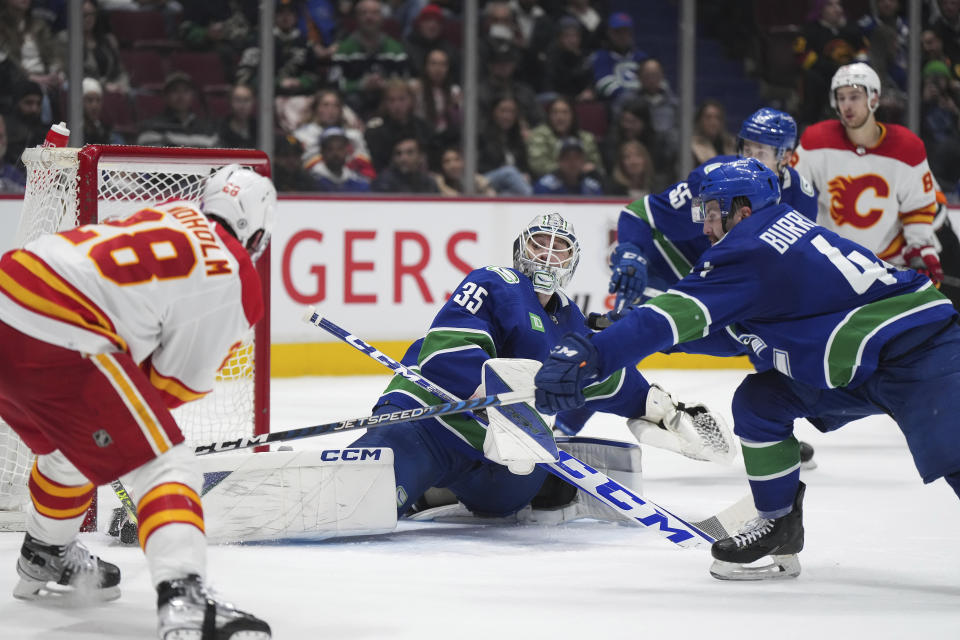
x=688, y=429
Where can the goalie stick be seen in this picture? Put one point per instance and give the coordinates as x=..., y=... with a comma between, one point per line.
x=383, y=419
x=567, y=467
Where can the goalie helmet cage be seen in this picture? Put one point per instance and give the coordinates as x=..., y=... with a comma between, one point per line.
x=69, y=187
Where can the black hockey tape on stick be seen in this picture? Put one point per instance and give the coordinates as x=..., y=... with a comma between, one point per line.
x=382, y=420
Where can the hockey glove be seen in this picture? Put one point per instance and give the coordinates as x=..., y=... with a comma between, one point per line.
x=629, y=277
x=925, y=260
x=569, y=367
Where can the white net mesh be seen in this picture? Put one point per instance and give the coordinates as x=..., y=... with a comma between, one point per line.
x=57, y=197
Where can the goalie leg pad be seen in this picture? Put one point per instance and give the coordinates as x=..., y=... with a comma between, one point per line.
x=304, y=495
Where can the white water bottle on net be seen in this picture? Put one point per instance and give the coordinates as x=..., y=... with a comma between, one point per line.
x=68, y=187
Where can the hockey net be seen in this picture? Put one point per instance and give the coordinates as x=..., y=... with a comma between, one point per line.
x=68, y=187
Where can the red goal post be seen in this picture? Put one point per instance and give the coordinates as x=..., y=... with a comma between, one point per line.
x=69, y=187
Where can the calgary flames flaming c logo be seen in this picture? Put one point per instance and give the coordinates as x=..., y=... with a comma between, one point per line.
x=845, y=191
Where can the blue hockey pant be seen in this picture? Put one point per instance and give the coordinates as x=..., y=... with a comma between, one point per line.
x=917, y=383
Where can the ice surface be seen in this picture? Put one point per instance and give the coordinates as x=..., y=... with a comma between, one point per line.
x=882, y=558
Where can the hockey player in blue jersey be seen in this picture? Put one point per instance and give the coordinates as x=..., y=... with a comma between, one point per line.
x=658, y=241
x=498, y=312
x=843, y=335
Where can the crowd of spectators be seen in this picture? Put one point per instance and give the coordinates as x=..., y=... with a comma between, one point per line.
x=368, y=92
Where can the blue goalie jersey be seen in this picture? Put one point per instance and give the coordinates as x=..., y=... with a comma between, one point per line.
x=813, y=305
x=661, y=225
x=495, y=313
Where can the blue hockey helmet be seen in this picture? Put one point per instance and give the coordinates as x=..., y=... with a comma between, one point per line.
x=747, y=177
x=547, y=252
x=768, y=126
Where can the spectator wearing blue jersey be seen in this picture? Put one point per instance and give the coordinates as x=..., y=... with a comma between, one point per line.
x=616, y=71
x=570, y=177
x=839, y=333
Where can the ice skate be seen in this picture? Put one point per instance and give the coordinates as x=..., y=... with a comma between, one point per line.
x=69, y=572
x=806, y=456
x=186, y=611
x=778, y=539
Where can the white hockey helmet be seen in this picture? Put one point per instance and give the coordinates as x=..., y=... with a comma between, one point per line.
x=547, y=252
x=858, y=74
x=244, y=202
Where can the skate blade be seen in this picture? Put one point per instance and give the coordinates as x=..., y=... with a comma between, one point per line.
x=68, y=596
x=197, y=634
x=780, y=567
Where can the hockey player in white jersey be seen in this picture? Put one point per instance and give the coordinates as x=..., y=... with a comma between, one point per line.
x=138, y=314
x=875, y=186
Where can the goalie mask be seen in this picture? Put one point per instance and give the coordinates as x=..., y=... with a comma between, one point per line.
x=243, y=201
x=547, y=252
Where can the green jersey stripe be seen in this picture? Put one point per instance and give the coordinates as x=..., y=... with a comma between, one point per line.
x=771, y=460
x=849, y=338
x=677, y=262
x=465, y=428
x=688, y=317
x=444, y=339
x=606, y=388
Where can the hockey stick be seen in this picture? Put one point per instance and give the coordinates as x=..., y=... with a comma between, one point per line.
x=125, y=500
x=381, y=420
x=729, y=521
x=567, y=467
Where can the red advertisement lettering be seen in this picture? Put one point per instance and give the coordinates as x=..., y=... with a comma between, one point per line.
x=452, y=256
x=416, y=270
x=349, y=266
x=317, y=270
